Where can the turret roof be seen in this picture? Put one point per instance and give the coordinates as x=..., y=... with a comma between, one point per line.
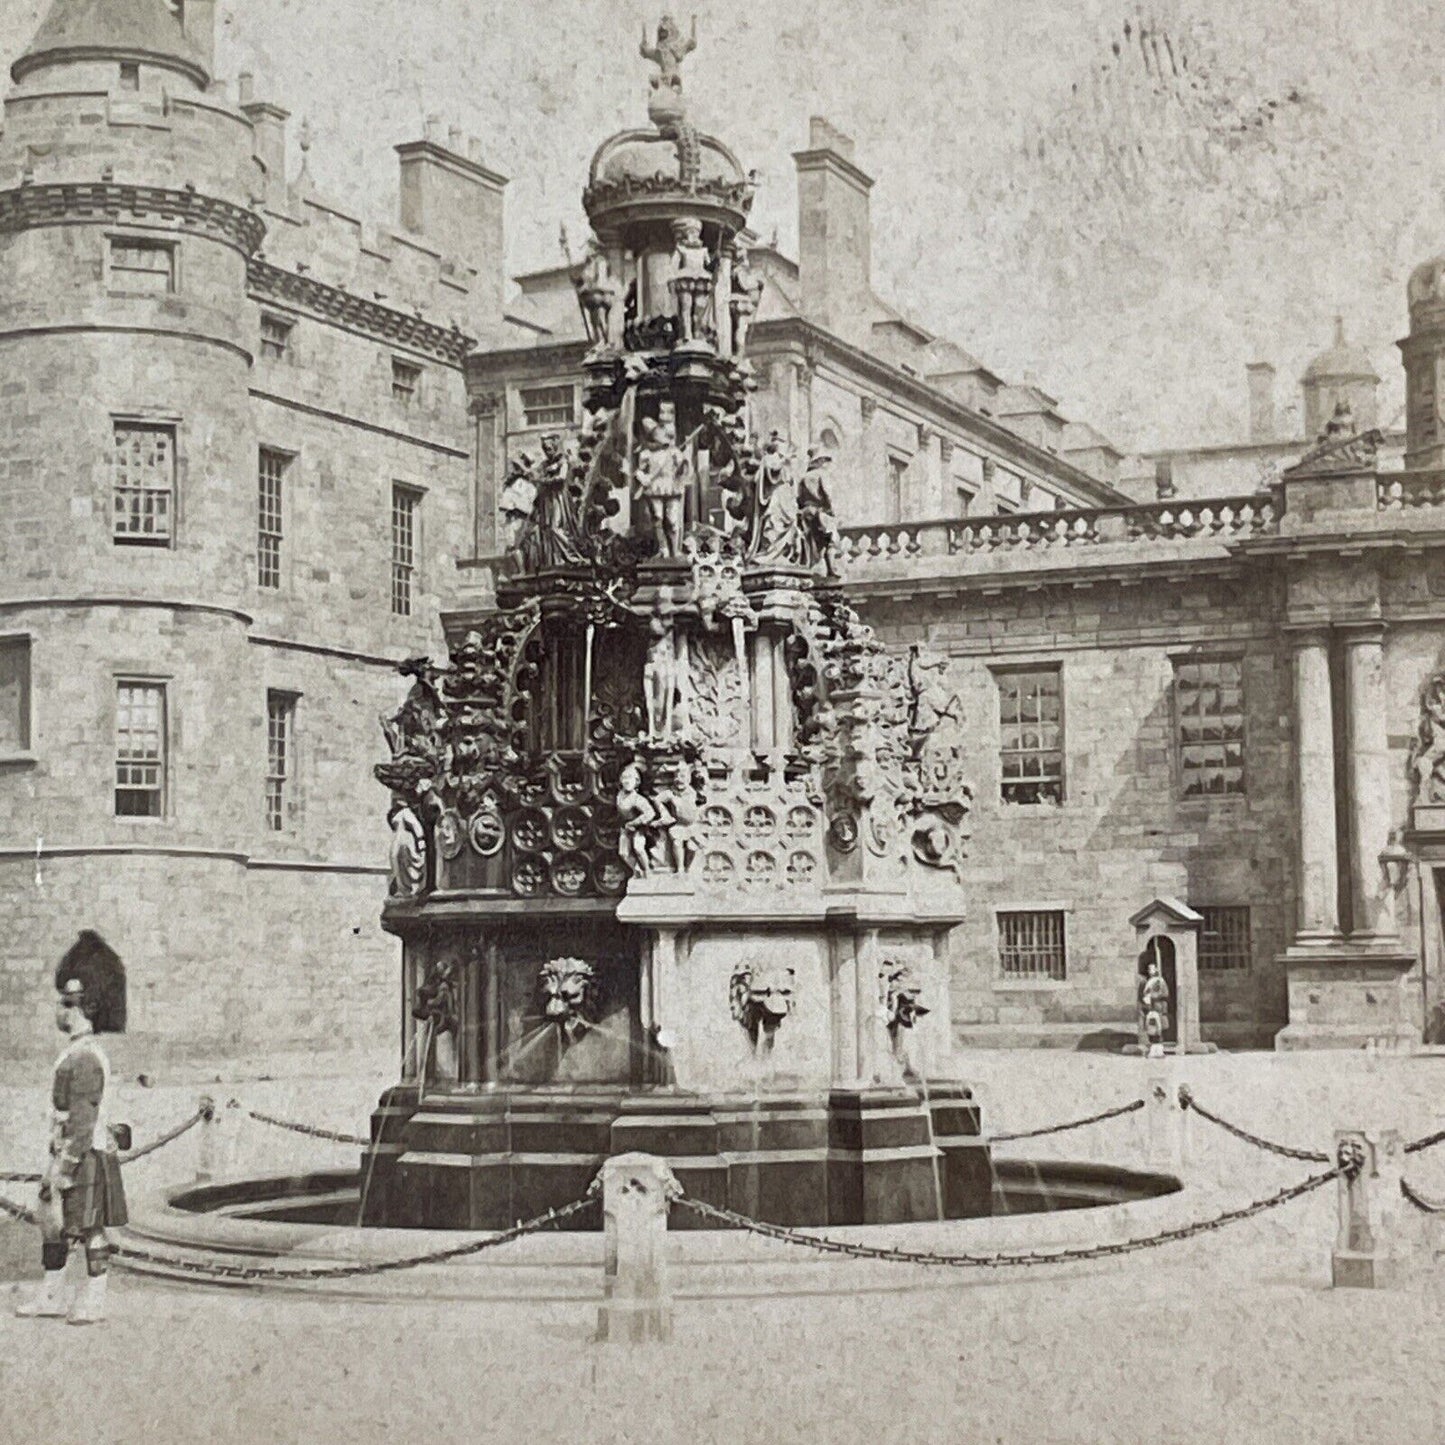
x=1341, y=361
x=141, y=30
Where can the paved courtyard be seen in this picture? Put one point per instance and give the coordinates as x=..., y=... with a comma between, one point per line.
x=1232, y=1336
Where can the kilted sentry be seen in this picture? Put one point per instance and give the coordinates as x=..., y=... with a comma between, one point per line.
x=97, y=1199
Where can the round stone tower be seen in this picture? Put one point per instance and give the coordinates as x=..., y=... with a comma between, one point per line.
x=127, y=456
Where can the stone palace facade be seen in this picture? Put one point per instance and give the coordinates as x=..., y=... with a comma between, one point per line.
x=255, y=450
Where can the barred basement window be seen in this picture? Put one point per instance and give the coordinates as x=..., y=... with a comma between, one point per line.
x=1209, y=710
x=275, y=336
x=1224, y=941
x=143, y=483
x=405, y=381
x=14, y=696
x=280, y=759
x=272, y=470
x=1031, y=945
x=137, y=263
x=1031, y=735
x=140, y=749
x=404, y=504
x=548, y=406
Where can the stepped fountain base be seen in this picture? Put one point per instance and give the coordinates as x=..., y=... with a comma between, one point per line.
x=484, y=1159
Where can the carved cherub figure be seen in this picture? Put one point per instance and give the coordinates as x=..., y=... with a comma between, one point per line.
x=639, y=818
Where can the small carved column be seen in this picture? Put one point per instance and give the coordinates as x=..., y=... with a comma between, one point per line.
x=637, y=1190
x=799, y=393
x=1368, y=774
x=490, y=465
x=722, y=299
x=1318, y=916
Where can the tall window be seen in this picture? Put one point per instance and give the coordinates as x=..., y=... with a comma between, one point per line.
x=893, y=497
x=1224, y=942
x=280, y=757
x=1209, y=710
x=14, y=695
x=547, y=406
x=138, y=263
x=129, y=75
x=405, y=380
x=140, y=749
x=271, y=473
x=275, y=335
x=1031, y=735
x=143, y=483
x=1031, y=944
x=405, y=501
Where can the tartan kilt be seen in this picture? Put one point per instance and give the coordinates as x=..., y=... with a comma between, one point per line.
x=97, y=1198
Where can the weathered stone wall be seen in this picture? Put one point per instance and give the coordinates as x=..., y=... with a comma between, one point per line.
x=1123, y=834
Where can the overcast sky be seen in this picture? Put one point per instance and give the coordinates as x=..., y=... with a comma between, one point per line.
x=1126, y=220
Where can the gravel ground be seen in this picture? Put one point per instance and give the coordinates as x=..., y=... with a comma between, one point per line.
x=1235, y=1336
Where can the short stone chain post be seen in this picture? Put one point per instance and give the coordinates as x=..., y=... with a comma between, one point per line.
x=637, y=1190
x=1164, y=1119
x=213, y=1153
x=1368, y=1248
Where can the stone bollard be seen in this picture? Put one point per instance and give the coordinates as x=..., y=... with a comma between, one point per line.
x=1164, y=1119
x=213, y=1154
x=637, y=1190
x=1367, y=1253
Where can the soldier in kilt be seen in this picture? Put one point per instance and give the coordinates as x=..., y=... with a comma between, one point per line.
x=81, y=1193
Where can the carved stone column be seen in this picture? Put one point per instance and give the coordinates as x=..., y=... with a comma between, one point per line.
x=490, y=468
x=1318, y=913
x=1368, y=773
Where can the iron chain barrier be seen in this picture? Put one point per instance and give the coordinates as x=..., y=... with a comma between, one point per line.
x=310, y=1130
x=204, y=1114
x=1422, y=1202
x=1306, y=1156
x=1064, y=1128
x=1004, y=1259
x=134, y=1257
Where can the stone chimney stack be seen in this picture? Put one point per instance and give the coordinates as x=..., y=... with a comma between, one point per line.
x=268, y=140
x=198, y=22
x=834, y=232
x=1261, y=402
x=454, y=203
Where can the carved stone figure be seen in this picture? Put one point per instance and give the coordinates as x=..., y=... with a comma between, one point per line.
x=1427, y=754
x=518, y=499
x=931, y=701
x=597, y=290
x=660, y=679
x=778, y=500
x=818, y=526
x=902, y=995
x=761, y=995
x=568, y=988
x=438, y=1006
x=638, y=819
x=1154, y=1004
x=679, y=814
x=691, y=283
x=660, y=482
x=671, y=49
x=747, y=296
x=408, y=850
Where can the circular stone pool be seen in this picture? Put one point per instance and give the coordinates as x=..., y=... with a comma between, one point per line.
x=331, y=1197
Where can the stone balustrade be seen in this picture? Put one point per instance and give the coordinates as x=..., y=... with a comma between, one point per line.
x=1215, y=518
x=1404, y=490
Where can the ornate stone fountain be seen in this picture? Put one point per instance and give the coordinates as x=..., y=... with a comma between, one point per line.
x=677, y=842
